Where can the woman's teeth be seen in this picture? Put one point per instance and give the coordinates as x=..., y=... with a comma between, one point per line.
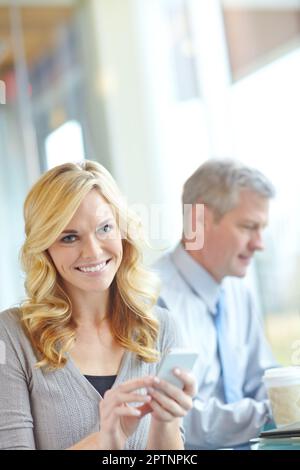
x=92, y=269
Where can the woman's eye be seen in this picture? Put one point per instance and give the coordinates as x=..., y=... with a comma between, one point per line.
x=106, y=228
x=69, y=239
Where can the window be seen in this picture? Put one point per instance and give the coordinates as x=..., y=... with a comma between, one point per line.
x=264, y=50
x=182, y=53
x=65, y=144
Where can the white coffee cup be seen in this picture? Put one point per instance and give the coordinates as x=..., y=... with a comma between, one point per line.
x=283, y=387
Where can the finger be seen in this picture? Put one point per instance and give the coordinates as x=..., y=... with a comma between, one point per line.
x=189, y=382
x=159, y=412
x=132, y=385
x=184, y=400
x=187, y=379
x=127, y=411
x=131, y=398
x=167, y=403
x=114, y=398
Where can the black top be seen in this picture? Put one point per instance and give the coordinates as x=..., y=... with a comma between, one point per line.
x=101, y=383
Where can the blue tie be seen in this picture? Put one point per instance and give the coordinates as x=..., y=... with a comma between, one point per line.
x=228, y=360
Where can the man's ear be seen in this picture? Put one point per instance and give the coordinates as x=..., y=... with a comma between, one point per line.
x=197, y=217
x=193, y=226
x=209, y=218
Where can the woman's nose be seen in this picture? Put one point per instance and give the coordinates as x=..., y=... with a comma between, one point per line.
x=92, y=248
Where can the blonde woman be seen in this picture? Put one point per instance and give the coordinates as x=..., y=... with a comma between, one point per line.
x=82, y=351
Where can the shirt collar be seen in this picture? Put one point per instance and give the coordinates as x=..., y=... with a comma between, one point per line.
x=196, y=277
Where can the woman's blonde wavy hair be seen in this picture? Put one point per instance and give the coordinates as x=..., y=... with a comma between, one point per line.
x=46, y=314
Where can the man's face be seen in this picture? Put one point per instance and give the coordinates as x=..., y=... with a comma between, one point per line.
x=231, y=242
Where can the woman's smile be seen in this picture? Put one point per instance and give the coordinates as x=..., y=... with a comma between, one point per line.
x=93, y=269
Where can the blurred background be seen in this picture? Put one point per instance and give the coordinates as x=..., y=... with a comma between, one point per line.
x=151, y=89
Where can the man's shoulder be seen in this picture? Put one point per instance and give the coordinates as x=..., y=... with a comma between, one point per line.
x=163, y=316
x=167, y=323
x=168, y=272
x=172, y=283
x=165, y=265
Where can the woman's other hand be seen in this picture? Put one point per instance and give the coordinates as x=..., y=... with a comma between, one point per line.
x=118, y=418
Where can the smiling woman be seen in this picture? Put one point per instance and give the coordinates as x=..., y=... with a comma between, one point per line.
x=86, y=344
x=80, y=197
x=88, y=257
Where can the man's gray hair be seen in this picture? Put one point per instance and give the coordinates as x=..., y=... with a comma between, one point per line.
x=218, y=182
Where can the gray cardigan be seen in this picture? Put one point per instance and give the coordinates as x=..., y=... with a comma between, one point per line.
x=54, y=410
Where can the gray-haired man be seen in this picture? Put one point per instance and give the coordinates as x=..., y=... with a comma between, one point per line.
x=217, y=316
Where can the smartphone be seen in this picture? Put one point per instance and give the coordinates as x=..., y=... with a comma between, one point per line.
x=177, y=357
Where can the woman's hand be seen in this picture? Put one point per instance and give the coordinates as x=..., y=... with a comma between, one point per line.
x=119, y=419
x=170, y=402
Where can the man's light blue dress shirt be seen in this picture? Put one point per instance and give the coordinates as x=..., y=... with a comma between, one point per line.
x=191, y=295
